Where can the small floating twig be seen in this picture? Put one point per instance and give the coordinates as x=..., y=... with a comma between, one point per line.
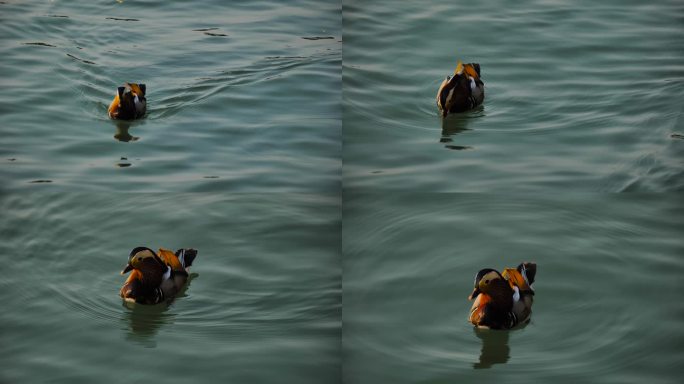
x=121, y=19
x=318, y=38
x=81, y=60
x=41, y=44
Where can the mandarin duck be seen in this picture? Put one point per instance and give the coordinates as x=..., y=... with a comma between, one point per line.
x=503, y=300
x=462, y=91
x=129, y=102
x=155, y=277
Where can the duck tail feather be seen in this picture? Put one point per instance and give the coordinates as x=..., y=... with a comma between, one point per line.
x=186, y=256
x=529, y=270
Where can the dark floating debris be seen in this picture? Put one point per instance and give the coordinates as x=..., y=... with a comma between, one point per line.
x=12, y=159
x=40, y=44
x=376, y=172
x=60, y=16
x=210, y=33
x=124, y=158
x=677, y=136
x=458, y=147
x=40, y=181
x=211, y=177
x=319, y=38
x=81, y=60
x=121, y=19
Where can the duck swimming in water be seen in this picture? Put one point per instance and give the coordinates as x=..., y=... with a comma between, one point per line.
x=155, y=277
x=129, y=103
x=462, y=91
x=503, y=300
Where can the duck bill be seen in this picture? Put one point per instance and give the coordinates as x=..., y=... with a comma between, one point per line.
x=476, y=292
x=127, y=269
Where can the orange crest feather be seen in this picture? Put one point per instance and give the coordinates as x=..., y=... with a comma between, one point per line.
x=170, y=259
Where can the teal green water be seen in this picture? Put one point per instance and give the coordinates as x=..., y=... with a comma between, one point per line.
x=305, y=170
x=607, y=305
x=262, y=305
x=241, y=95
x=580, y=96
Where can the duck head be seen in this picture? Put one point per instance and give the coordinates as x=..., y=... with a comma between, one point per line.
x=148, y=263
x=491, y=283
x=132, y=101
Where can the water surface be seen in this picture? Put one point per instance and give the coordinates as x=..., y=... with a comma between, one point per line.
x=241, y=95
x=581, y=96
x=607, y=306
x=262, y=304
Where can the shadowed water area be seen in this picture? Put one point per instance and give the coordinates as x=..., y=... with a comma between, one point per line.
x=580, y=96
x=607, y=305
x=262, y=304
x=241, y=95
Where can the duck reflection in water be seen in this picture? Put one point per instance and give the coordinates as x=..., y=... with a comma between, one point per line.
x=495, y=349
x=144, y=321
x=452, y=126
x=122, y=134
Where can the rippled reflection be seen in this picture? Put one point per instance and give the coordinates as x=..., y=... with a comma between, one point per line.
x=122, y=134
x=451, y=126
x=495, y=349
x=144, y=321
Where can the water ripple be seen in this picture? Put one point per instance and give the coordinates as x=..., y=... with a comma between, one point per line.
x=563, y=109
x=410, y=259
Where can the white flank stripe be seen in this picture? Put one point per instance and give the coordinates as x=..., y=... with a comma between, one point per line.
x=448, y=99
x=516, y=295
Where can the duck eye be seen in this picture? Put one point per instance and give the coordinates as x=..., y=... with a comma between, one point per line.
x=486, y=281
